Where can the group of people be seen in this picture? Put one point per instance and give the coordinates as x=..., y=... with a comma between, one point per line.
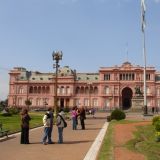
x=75, y=113
x=48, y=126
x=48, y=119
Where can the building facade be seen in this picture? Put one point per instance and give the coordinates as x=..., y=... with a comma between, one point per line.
x=109, y=88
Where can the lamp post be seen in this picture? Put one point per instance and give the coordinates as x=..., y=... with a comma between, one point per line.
x=57, y=56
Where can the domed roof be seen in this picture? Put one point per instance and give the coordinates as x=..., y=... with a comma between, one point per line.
x=65, y=71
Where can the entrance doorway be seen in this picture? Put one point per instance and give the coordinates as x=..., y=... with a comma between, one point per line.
x=126, y=98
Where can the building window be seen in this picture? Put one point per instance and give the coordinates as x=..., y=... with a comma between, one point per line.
x=106, y=90
x=86, y=102
x=148, y=90
x=106, y=77
x=38, y=102
x=158, y=91
x=126, y=76
x=21, y=90
x=107, y=103
x=20, y=102
x=95, y=102
x=77, y=102
x=147, y=77
x=62, y=90
x=68, y=90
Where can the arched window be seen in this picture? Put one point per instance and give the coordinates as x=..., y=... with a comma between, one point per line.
x=38, y=101
x=77, y=90
x=20, y=101
x=47, y=89
x=95, y=90
x=86, y=90
x=68, y=90
x=62, y=90
x=82, y=90
x=58, y=90
x=31, y=89
x=35, y=90
x=21, y=90
x=106, y=90
x=86, y=102
x=39, y=89
x=95, y=102
x=43, y=90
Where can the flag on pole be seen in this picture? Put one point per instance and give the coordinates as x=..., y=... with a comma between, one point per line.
x=143, y=10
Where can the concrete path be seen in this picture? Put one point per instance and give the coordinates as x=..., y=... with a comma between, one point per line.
x=76, y=143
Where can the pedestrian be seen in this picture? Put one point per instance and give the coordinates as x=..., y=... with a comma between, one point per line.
x=74, y=118
x=82, y=117
x=93, y=112
x=25, y=118
x=50, y=112
x=60, y=125
x=47, y=126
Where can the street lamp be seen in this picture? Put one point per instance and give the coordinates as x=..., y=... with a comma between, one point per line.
x=57, y=56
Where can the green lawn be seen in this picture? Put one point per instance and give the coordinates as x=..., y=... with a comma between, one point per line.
x=13, y=122
x=144, y=142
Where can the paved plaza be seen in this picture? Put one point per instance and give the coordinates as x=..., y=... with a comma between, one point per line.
x=76, y=143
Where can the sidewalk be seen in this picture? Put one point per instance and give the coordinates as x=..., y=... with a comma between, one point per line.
x=76, y=143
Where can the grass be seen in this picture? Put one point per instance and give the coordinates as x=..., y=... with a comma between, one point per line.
x=12, y=123
x=107, y=146
x=144, y=142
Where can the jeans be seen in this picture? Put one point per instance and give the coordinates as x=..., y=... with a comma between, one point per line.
x=50, y=134
x=74, y=123
x=60, y=134
x=46, y=131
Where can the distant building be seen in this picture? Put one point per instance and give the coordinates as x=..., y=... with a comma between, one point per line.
x=109, y=88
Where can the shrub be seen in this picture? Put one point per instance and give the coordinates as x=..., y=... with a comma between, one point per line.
x=155, y=119
x=7, y=114
x=157, y=125
x=66, y=109
x=108, y=118
x=13, y=110
x=118, y=114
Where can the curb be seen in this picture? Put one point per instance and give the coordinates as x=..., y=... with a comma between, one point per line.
x=94, y=149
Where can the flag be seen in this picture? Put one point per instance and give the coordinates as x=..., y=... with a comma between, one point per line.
x=143, y=10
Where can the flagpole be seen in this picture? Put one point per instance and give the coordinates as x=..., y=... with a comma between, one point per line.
x=143, y=10
x=144, y=57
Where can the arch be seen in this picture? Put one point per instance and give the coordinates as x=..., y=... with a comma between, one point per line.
x=47, y=89
x=95, y=90
x=31, y=89
x=127, y=98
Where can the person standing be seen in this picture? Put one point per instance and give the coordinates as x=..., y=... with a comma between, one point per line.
x=25, y=118
x=50, y=112
x=47, y=125
x=82, y=117
x=74, y=118
x=60, y=125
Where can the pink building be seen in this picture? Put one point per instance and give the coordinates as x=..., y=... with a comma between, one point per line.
x=109, y=88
